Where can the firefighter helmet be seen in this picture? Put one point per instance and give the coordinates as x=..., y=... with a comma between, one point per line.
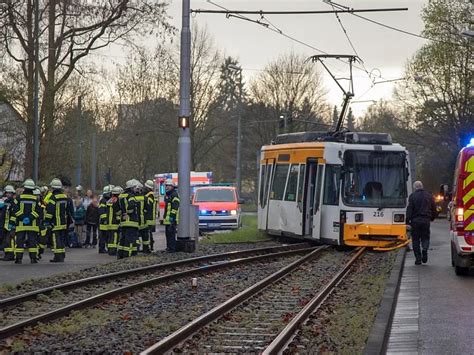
x=56, y=184
x=29, y=184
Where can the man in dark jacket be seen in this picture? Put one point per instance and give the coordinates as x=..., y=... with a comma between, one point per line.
x=92, y=223
x=420, y=211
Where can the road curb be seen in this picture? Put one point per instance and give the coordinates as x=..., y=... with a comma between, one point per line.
x=380, y=332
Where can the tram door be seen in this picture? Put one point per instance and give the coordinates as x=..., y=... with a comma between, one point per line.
x=266, y=173
x=312, y=193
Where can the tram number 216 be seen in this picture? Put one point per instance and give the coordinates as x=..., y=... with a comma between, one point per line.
x=378, y=214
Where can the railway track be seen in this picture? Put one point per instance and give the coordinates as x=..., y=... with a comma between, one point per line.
x=50, y=303
x=254, y=320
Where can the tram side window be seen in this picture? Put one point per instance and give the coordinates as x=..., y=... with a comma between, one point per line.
x=262, y=185
x=332, y=184
x=279, y=182
x=290, y=194
x=301, y=186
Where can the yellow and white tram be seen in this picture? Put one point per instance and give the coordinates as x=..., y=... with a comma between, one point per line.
x=350, y=190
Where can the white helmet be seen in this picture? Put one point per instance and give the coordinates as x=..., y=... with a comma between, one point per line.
x=56, y=184
x=107, y=189
x=131, y=184
x=117, y=190
x=79, y=188
x=36, y=192
x=149, y=184
x=29, y=184
x=9, y=188
x=170, y=182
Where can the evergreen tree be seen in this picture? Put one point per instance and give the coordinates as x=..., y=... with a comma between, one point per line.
x=350, y=120
x=335, y=117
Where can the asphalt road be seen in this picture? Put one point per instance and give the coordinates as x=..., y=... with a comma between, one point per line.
x=446, y=312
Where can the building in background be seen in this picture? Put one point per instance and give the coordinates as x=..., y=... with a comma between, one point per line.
x=12, y=144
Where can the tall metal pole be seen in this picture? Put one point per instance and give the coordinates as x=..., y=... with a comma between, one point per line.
x=79, y=140
x=36, y=98
x=238, y=172
x=184, y=142
x=93, y=160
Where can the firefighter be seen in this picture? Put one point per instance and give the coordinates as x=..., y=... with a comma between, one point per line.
x=59, y=211
x=151, y=211
x=129, y=220
x=170, y=219
x=6, y=233
x=42, y=237
x=142, y=223
x=25, y=219
x=104, y=219
x=114, y=216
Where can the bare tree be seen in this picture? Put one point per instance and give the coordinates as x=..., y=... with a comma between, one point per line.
x=289, y=83
x=69, y=31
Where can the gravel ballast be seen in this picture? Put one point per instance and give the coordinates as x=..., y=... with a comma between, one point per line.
x=342, y=324
x=124, y=264
x=132, y=322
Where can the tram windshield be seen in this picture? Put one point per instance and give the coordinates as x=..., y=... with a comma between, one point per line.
x=375, y=179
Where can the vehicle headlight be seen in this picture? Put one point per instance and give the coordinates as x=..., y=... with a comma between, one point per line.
x=399, y=217
x=233, y=212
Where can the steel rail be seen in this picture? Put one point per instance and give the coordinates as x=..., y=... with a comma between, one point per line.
x=287, y=334
x=11, y=301
x=63, y=311
x=197, y=324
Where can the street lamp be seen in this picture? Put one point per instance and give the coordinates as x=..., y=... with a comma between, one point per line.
x=238, y=169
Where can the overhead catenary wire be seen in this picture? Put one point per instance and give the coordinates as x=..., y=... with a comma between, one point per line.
x=277, y=30
x=389, y=26
x=351, y=44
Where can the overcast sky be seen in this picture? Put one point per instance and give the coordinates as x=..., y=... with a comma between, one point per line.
x=255, y=46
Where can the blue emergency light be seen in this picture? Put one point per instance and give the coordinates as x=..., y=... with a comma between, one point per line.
x=471, y=143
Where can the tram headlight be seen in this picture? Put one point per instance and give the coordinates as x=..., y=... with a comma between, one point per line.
x=359, y=217
x=233, y=212
x=399, y=218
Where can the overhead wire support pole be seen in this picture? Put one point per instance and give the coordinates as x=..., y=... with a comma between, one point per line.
x=36, y=97
x=307, y=12
x=184, y=142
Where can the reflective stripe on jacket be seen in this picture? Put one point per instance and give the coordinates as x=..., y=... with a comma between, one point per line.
x=26, y=213
x=128, y=210
x=59, y=211
x=141, y=208
x=103, y=215
x=151, y=210
x=171, y=207
x=113, y=213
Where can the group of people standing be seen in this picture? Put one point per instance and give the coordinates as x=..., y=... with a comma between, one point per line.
x=125, y=219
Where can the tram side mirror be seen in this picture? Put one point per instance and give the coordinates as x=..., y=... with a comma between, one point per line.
x=241, y=201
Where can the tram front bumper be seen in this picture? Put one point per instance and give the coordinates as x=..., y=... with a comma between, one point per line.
x=375, y=235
